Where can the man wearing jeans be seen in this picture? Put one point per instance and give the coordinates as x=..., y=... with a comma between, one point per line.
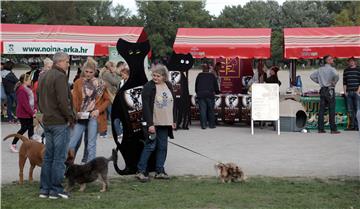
x=351, y=81
x=206, y=86
x=327, y=78
x=55, y=103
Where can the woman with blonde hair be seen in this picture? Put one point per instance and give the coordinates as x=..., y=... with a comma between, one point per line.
x=158, y=112
x=112, y=81
x=90, y=99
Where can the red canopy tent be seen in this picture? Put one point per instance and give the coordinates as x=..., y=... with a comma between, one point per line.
x=313, y=43
x=99, y=37
x=244, y=43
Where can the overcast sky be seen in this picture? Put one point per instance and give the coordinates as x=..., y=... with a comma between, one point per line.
x=213, y=6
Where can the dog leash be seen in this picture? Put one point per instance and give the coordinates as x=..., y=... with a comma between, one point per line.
x=194, y=151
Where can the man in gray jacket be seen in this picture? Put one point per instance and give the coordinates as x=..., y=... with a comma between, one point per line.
x=55, y=103
x=327, y=78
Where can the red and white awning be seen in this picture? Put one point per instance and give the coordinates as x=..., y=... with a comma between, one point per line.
x=224, y=42
x=310, y=43
x=45, y=39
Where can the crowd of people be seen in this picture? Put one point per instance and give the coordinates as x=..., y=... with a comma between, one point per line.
x=19, y=95
x=79, y=112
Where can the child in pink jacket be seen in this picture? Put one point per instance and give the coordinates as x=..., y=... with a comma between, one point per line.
x=25, y=108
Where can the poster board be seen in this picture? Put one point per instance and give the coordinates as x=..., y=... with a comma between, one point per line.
x=230, y=75
x=265, y=103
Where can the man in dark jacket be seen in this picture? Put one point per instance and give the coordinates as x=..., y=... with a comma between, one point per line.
x=9, y=80
x=55, y=103
x=206, y=86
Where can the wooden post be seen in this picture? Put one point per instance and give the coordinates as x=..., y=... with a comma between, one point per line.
x=68, y=75
x=292, y=73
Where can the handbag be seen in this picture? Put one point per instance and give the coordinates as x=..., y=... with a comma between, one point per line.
x=83, y=117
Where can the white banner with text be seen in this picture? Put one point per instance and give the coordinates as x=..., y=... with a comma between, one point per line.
x=78, y=49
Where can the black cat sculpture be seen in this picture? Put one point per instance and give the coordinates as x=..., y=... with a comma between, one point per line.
x=127, y=107
x=179, y=65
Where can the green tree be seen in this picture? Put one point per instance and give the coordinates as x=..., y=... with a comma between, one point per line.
x=349, y=15
x=162, y=19
x=65, y=13
x=230, y=17
x=305, y=14
x=20, y=12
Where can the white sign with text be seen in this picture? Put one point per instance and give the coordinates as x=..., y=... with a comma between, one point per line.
x=79, y=49
x=265, y=103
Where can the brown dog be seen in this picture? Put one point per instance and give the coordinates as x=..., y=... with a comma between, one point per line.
x=89, y=172
x=29, y=149
x=230, y=172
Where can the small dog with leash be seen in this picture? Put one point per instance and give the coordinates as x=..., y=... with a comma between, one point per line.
x=230, y=172
x=89, y=172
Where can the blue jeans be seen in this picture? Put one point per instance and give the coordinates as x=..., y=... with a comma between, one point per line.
x=207, y=116
x=10, y=99
x=352, y=106
x=160, y=143
x=77, y=132
x=118, y=126
x=53, y=167
x=85, y=154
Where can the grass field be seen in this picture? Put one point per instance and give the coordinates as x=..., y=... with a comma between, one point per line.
x=196, y=192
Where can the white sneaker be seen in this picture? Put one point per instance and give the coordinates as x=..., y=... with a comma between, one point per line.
x=13, y=148
x=104, y=136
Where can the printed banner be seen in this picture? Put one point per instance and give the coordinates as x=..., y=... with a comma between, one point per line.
x=230, y=75
x=78, y=49
x=312, y=107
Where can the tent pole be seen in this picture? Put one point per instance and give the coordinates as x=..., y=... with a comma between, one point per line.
x=68, y=75
x=261, y=71
x=292, y=75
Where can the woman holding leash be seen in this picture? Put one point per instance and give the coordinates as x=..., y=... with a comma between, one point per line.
x=90, y=100
x=25, y=109
x=159, y=114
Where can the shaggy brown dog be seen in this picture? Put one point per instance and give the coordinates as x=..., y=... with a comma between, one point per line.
x=29, y=149
x=89, y=172
x=230, y=172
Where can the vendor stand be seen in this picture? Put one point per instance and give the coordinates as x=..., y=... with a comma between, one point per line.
x=72, y=39
x=315, y=43
x=234, y=48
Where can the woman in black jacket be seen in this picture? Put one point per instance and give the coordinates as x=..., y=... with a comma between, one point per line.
x=273, y=78
x=159, y=114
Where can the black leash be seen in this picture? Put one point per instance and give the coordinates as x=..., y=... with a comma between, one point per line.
x=193, y=151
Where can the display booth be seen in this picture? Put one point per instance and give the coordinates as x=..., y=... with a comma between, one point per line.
x=235, y=49
x=315, y=43
x=72, y=39
x=33, y=39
